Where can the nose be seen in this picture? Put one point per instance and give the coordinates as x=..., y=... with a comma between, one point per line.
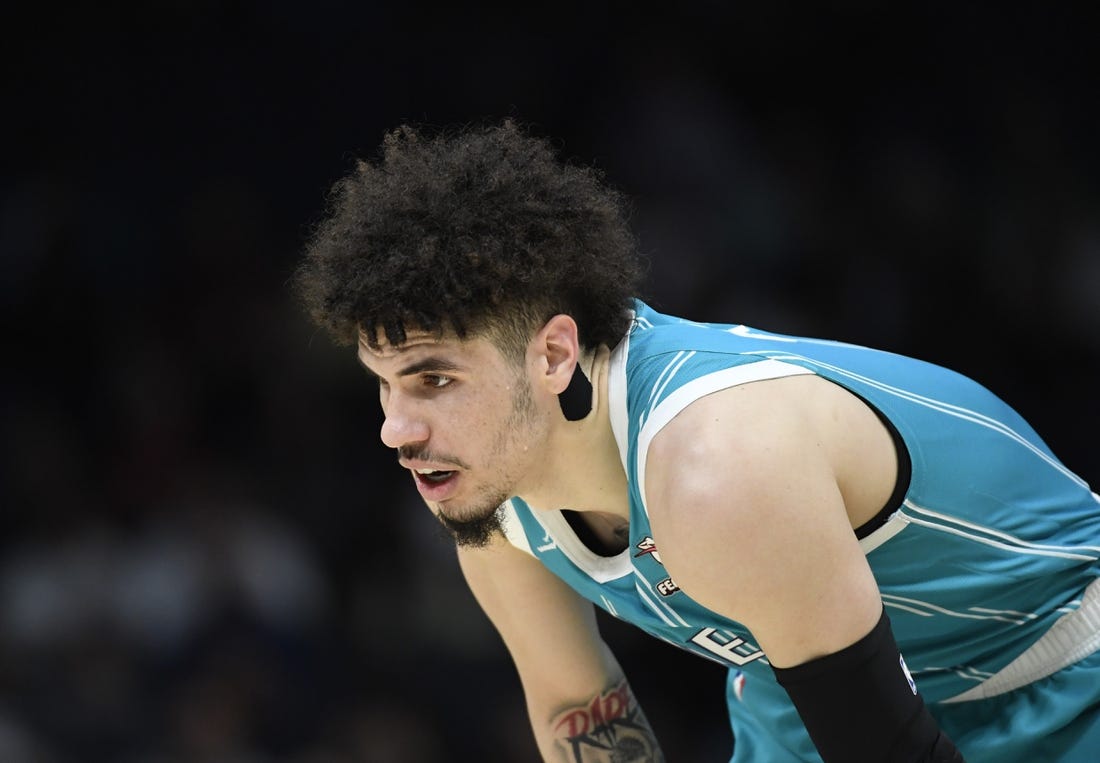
x=402, y=426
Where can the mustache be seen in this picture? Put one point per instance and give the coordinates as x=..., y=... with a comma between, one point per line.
x=421, y=453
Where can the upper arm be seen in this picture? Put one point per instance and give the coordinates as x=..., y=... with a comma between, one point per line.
x=550, y=631
x=742, y=488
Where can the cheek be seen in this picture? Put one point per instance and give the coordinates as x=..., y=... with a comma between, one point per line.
x=468, y=425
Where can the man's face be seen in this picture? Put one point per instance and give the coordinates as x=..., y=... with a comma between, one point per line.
x=463, y=421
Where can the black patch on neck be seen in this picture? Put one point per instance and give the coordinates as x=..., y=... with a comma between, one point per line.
x=576, y=399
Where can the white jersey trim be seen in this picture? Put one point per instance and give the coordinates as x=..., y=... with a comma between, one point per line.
x=602, y=569
x=681, y=398
x=919, y=515
x=513, y=528
x=616, y=397
x=894, y=525
x=1072, y=638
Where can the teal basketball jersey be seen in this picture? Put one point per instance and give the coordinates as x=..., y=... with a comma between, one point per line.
x=987, y=568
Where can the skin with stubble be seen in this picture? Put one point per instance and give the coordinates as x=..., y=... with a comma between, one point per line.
x=462, y=409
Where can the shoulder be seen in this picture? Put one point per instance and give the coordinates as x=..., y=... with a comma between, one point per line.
x=732, y=440
x=664, y=369
x=781, y=429
x=743, y=494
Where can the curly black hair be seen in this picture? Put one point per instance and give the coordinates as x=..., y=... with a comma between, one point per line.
x=476, y=230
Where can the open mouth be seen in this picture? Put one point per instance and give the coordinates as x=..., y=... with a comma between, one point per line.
x=433, y=476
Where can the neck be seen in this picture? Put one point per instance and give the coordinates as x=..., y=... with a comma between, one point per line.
x=581, y=469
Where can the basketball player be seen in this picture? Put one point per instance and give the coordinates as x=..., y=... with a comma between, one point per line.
x=887, y=559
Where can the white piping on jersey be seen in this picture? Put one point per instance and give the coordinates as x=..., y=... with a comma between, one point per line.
x=661, y=377
x=984, y=610
x=1018, y=545
x=684, y=396
x=999, y=540
x=1069, y=606
x=966, y=672
x=513, y=528
x=1071, y=638
x=891, y=527
x=616, y=397
x=652, y=605
x=610, y=607
x=938, y=405
x=599, y=571
x=659, y=388
x=660, y=601
x=927, y=609
x=602, y=569
x=643, y=322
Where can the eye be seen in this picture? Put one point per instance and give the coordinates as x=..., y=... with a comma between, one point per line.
x=435, y=381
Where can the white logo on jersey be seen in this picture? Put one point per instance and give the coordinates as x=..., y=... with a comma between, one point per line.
x=727, y=648
x=548, y=543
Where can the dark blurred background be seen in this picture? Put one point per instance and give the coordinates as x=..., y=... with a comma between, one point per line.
x=206, y=554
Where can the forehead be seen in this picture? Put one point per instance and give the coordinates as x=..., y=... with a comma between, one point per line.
x=414, y=340
x=427, y=351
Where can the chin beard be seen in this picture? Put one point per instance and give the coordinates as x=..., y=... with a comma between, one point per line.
x=475, y=532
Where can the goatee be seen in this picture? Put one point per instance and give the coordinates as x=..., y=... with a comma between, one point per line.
x=476, y=532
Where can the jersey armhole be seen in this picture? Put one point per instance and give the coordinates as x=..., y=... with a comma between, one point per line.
x=901, y=485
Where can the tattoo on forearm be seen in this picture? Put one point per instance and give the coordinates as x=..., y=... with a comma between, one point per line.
x=610, y=729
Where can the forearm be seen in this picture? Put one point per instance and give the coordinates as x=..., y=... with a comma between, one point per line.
x=607, y=727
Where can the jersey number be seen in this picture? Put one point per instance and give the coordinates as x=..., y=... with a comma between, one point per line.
x=731, y=649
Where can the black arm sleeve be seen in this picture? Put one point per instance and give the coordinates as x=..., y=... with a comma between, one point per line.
x=860, y=704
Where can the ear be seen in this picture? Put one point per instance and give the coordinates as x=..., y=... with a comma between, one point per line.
x=557, y=346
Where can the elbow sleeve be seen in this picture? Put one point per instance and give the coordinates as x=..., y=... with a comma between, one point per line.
x=861, y=704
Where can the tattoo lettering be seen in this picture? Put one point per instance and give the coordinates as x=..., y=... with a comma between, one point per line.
x=611, y=729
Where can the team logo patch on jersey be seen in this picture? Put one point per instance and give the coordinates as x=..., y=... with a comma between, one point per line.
x=647, y=546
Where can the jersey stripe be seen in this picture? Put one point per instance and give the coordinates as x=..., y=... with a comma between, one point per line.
x=938, y=405
x=1014, y=545
x=1005, y=536
x=653, y=606
x=660, y=600
x=936, y=609
x=652, y=401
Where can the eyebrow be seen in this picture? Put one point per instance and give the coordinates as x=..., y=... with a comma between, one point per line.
x=430, y=364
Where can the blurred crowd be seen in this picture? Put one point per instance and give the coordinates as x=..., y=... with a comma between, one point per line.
x=206, y=553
